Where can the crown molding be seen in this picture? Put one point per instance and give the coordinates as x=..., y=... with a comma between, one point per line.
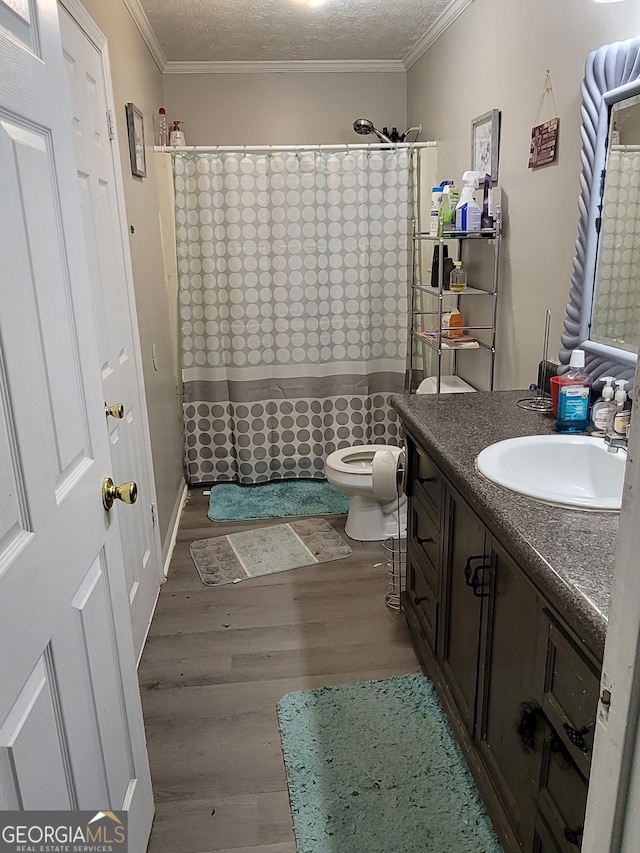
x=453, y=11
x=142, y=22
x=311, y=66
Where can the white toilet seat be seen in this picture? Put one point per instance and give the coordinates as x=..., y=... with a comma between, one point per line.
x=356, y=459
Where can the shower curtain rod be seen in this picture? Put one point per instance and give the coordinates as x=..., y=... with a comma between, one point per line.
x=214, y=149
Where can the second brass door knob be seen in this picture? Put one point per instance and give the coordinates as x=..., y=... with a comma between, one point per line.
x=127, y=493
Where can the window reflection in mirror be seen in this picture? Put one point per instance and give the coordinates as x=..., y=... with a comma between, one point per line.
x=615, y=315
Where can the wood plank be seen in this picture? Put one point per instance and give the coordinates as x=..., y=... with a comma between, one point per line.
x=217, y=662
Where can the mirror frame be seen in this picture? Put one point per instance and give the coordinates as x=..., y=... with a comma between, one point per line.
x=612, y=73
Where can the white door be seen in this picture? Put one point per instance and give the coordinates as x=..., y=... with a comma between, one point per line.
x=71, y=730
x=97, y=165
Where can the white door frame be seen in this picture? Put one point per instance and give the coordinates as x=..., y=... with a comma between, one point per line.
x=613, y=806
x=86, y=23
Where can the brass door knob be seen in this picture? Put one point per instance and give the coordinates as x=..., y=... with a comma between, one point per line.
x=127, y=493
x=115, y=411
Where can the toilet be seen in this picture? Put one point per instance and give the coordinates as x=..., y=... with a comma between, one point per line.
x=368, y=473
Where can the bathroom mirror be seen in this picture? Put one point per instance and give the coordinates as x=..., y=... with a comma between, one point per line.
x=615, y=306
x=603, y=314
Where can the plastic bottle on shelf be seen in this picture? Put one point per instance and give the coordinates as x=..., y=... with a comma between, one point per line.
x=458, y=278
x=448, y=207
x=162, y=127
x=434, y=218
x=468, y=213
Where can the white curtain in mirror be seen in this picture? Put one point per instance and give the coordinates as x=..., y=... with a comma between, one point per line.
x=616, y=306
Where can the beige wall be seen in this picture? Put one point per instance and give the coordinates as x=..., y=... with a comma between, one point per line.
x=136, y=78
x=283, y=108
x=495, y=57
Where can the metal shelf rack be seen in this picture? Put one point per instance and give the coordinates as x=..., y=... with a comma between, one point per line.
x=437, y=341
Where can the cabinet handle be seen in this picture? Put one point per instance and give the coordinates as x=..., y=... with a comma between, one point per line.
x=424, y=541
x=418, y=601
x=573, y=836
x=423, y=480
x=527, y=724
x=471, y=576
x=576, y=736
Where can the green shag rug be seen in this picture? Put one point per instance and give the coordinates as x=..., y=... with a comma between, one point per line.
x=278, y=499
x=374, y=768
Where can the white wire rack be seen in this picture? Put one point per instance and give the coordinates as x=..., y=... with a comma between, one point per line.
x=395, y=566
x=395, y=548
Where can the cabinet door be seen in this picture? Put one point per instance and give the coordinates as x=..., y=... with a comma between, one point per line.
x=513, y=664
x=463, y=596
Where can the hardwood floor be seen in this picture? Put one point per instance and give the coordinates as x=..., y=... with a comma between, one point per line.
x=218, y=660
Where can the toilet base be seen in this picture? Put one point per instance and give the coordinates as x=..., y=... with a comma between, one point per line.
x=368, y=521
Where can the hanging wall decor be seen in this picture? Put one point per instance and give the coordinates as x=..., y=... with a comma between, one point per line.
x=485, y=143
x=544, y=137
x=135, y=129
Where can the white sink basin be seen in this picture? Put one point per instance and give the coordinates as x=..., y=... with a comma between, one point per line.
x=570, y=470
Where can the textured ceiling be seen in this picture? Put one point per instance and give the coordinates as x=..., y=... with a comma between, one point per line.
x=290, y=30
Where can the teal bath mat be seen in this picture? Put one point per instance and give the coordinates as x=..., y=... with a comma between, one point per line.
x=279, y=499
x=375, y=767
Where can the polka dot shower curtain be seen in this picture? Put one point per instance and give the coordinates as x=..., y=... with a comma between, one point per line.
x=616, y=303
x=293, y=297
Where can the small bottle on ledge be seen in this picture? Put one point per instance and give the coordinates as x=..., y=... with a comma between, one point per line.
x=162, y=127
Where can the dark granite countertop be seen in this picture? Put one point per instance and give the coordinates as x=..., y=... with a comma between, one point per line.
x=568, y=554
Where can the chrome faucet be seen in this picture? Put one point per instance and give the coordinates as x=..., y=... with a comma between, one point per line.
x=614, y=442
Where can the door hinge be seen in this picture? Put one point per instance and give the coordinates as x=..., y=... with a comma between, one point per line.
x=154, y=517
x=111, y=127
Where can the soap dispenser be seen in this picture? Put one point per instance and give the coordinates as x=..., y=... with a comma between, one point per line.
x=603, y=406
x=620, y=414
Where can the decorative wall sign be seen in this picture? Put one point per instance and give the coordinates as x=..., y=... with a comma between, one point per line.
x=485, y=144
x=544, y=137
x=544, y=140
x=135, y=128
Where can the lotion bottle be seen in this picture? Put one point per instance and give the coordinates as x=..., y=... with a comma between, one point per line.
x=602, y=408
x=620, y=414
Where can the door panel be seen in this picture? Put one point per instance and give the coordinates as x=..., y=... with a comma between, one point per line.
x=463, y=606
x=514, y=683
x=31, y=742
x=115, y=320
x=71, y=728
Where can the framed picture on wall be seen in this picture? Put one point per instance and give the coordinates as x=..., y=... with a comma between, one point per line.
x=135, y=128
x=485, y=144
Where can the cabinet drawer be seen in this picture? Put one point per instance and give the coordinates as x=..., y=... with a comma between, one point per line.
x=428, y=483
x=562, y=800
x=422, y=599
x=425, y=539
x=571, y=697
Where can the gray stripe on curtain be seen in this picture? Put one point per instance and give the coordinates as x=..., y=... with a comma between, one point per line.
x=292, y=388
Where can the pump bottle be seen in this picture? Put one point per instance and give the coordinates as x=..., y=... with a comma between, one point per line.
x=620, y=413
x=603, y=407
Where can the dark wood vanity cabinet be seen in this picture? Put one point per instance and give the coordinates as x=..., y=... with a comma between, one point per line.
x=520, y=694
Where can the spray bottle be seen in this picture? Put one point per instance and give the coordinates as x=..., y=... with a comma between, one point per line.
x=468, y=213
